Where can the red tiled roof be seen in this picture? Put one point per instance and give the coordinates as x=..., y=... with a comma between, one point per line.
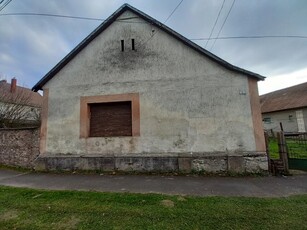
x=34, y=98
x=288, y=98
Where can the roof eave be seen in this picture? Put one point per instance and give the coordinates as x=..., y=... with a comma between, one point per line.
x=284, y=109
x=195, y=46
x=78, y=48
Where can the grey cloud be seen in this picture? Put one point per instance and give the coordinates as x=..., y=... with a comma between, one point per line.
x=31, y=46
x=269, y=56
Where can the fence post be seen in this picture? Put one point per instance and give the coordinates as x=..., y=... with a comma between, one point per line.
x=283, y=155
x=266, y=136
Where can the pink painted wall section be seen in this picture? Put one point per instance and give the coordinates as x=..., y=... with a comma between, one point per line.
x=43, y=129
x=256, y=115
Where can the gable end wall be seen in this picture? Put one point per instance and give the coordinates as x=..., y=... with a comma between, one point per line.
x=189, y=105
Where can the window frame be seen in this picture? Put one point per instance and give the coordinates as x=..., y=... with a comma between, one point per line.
x=267, y=120
x=85, y=102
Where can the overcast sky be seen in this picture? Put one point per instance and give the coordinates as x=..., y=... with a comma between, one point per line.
x=31, y=45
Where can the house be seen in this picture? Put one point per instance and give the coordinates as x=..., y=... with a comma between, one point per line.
x=136, y=95
x=287, y=106
x=19, y=106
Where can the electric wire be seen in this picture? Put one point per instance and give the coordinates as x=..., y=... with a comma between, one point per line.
x=5, y=4
x=125, y=20
x=71, y=17
x=52, y=15
x=250, y=37
x=217, y=18
x=88, y=18
x=173, y=11
x=155, y=32
x=223, y=24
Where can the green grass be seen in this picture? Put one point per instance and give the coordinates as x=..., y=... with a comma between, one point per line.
x=38, y=209
x=273, y=148
x=297, y=150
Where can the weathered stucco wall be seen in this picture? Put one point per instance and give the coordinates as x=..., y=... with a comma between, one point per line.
x=188, y=103
x=305, y=117
x=19, y=147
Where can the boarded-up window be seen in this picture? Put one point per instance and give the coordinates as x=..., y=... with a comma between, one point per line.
x=110, y=115
x=110, y=119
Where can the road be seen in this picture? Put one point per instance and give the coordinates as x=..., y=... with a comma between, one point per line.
x=182, y=185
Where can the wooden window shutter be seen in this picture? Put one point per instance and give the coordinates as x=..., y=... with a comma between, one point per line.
x=110, y=119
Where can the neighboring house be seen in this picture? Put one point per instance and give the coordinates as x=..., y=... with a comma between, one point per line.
x=136, y=95
x=287, y=106
x=19, y=106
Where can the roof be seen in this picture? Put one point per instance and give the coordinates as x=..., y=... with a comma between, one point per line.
x=21, y=94
x=289, y=98
x=150, y=20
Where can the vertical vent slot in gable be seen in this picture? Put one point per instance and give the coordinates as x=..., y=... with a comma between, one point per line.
x=122, y=45
x=132, y=43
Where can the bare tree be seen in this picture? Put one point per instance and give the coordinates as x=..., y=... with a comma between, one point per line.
x=14, y=107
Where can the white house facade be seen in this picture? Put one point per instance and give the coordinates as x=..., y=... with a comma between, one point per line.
x=135, y=95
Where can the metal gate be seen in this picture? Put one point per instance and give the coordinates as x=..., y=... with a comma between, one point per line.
x=297, y=150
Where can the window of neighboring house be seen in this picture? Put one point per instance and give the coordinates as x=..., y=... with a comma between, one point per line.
x=290, y=117
x=267, y=120
x=110, y=116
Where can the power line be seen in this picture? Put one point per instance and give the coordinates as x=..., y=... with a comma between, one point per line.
x=217, y=18
x=72, y=17
x=124, y=20
x=155, y=32
x=252, y=37
x=173, y=11
x=5, y=4
x=223, y=23
x=52, y=15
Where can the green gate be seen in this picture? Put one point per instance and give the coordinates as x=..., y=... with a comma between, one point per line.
x=297, y=150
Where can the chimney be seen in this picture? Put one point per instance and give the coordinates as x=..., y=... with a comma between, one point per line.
x=13, y=85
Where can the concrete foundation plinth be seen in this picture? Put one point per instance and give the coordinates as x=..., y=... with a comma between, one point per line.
x=207, y=164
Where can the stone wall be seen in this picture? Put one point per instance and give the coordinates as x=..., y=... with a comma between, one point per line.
x=19, y=147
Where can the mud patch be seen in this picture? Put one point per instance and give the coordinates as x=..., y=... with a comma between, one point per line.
x=68, y=223
x=9, y=215
x=168, y=203
x=181, y=198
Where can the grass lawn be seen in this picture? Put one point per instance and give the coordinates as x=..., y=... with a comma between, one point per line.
x=38, y=209
x=273, y=148
x=296, y=150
